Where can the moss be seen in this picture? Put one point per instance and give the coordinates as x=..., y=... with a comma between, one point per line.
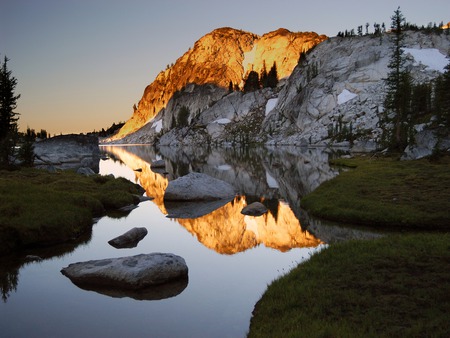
x=37, y=207
x=390, y=287
x=386, y=192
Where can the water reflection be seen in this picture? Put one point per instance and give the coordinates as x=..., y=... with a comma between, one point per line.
x=11, y=264
x=276, y=179
x=155, y=292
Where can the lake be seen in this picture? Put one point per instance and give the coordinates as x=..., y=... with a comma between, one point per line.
x=231, y=257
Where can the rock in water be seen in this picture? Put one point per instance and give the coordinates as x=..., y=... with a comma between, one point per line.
x=134, y=272
x=198, y=187
x=130, y=239
x=254, y=209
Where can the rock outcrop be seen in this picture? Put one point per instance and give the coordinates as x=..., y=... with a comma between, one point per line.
x=125, y=273
x=333, y=97
x=225, y=55
x=340, y=86
x=68, y=152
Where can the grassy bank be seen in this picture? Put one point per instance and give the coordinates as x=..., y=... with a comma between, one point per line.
x=386, y=192
x=37, y=207
x=391, y=287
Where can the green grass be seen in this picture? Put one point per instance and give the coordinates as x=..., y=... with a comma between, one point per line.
x=397, y=286
x=386, y=192
x=37, y=207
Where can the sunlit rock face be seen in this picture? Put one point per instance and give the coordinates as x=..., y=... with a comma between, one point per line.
x=225, y=55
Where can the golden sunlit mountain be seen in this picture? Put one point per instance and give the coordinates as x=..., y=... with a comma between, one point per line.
x=225, y=55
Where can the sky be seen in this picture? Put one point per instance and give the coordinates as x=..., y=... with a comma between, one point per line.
x=82, y=64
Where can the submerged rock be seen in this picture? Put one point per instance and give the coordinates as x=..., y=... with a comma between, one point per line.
x=198, y=187
x=128, y=273
x=130, y=239
x=254, y=209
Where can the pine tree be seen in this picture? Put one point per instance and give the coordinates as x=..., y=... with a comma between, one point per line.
x=252, y=82
x=398, y=83
x=8, y=117
x=272, y=76
x=263, y=76
x=26, y=151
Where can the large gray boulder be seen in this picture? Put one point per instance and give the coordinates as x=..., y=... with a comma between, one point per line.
x=129, y=239
x=128, y=273
x=68, y=152
x=198, y=187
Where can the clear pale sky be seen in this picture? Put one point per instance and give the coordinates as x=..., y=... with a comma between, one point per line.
x=82, y=64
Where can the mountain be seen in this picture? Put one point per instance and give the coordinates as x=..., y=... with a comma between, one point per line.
x=333, y=97
x=225, y=55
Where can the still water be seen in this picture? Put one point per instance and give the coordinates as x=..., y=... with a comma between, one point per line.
x=231, y=257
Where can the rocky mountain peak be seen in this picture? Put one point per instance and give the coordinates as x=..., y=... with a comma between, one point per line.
x=222, y=56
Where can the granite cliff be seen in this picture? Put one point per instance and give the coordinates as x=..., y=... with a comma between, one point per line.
x=337, y=86
x=225, y=55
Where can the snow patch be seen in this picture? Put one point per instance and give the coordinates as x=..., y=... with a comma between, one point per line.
x=346, y=96
x=270, y=105
x=430, y=57
x=224, y=167
x=223, y=121
x=271, y=182
x=157, y=125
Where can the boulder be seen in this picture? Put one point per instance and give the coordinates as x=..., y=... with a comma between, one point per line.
x=128, y=273
x=68, y=152
x=85, y=171
x=254, y=209
x=130, y=239
x=198, y=187
x=158, y=164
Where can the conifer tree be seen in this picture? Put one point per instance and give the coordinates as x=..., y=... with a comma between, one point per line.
x=272, y=76
x=263, y=76
x=398, y=83
x=8, y=117
x=252, y=82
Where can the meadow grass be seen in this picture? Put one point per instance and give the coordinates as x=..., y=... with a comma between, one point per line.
x=390, y=287
x=37, y=207
x=395, y=286
x=386, y=192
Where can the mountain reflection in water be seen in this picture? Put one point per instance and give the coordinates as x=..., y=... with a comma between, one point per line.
x=220, y=226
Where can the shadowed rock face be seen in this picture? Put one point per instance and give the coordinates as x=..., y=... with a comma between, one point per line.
x=128, y=273
x=68, y=152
